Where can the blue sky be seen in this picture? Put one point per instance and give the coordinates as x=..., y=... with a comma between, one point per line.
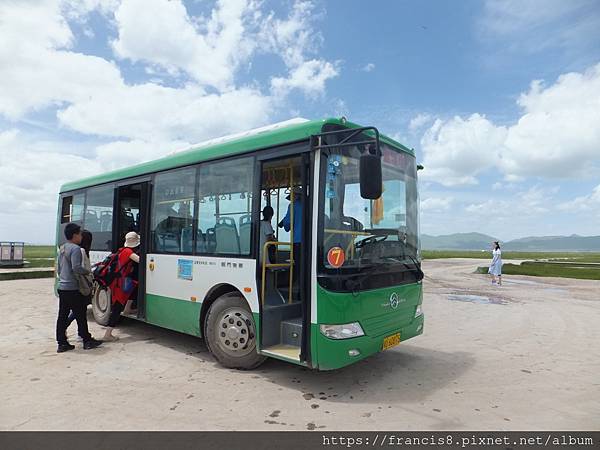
x=500, y=99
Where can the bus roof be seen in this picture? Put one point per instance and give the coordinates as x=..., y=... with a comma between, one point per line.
x=239, y=143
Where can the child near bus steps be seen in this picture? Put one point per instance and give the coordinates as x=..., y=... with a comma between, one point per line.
x=70, y=299
x=124, y=287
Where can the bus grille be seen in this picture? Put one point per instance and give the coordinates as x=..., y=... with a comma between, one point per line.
x=386, y=323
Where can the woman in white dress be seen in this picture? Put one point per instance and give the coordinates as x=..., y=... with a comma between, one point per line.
x=495, y=269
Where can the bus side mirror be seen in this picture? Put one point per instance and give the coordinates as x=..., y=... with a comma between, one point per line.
x=370, y=176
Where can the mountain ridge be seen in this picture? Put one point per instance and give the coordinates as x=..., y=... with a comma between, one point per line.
x=480, y=241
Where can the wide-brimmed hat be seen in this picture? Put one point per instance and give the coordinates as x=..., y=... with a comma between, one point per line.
x=132, y=239
x=297, y=193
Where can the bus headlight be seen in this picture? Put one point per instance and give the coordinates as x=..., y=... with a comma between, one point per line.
x=345, y=331
x=419, y=311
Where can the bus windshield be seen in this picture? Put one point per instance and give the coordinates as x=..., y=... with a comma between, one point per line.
x=357, y=233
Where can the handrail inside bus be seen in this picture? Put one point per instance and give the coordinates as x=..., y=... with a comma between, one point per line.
x=274, y=265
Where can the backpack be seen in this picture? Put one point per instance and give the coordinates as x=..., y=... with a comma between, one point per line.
x=85, y=283
x=107, y=271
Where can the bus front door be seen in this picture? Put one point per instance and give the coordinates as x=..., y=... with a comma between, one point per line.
x=132, y=207
x=281, y=253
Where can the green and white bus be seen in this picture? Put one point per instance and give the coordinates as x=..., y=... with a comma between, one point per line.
x=341, y=284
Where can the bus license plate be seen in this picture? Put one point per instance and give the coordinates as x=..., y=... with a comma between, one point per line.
x=391, y=341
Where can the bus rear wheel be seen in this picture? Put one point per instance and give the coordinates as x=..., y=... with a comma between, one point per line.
x=230, y=333
x=101, y=301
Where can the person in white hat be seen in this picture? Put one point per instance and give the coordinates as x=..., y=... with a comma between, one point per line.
x=124, y=288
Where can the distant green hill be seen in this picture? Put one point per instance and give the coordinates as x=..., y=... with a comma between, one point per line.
x=479, y=241
x=573, y=243
x=457, y=241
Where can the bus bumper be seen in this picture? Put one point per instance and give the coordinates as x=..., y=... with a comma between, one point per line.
x=336, y=353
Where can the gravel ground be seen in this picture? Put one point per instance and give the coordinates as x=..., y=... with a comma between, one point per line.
x=518, y=357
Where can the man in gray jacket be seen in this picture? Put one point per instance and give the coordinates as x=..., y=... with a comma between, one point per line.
x=70, y=299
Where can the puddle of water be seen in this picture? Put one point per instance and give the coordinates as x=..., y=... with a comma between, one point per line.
x=480, y=299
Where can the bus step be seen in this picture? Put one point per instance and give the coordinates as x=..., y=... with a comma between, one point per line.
x=291, y=331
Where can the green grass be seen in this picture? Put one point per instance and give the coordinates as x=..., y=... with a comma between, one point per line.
x=578, y=265
x=548, y=269
x=37, y=256
x=581, y=257
x=570, y=256
x=39, y=262
x=38, y=251
x=26, y=275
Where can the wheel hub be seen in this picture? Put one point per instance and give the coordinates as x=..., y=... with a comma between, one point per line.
x=102, y=300
x=235, y=332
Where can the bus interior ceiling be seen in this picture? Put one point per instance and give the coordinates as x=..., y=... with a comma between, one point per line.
x=279, y=263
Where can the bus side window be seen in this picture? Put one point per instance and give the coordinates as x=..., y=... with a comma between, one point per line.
x=98, y=216
x=71, y=211
x=65, y=214
x=173, y=211
x=224, y=206
x=72, y=208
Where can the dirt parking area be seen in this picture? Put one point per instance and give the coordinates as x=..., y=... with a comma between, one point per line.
x=518, y=357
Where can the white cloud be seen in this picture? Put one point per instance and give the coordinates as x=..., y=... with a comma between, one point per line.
x=92, y=96
x=119, y=154
x=156, y=113
x=162, y=33
x=31, y=177
x=368, y=67
x=200, y=56
x=557, y=136
x=540, y=24
x=436, y=204
x=310, y=77
x=33, y=170
x=457, y=150
x=295, y=39
x=417, y=122
x=585, y=203
x=534, y=201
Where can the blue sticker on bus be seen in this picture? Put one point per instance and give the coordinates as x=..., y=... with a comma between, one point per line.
x=185, y=269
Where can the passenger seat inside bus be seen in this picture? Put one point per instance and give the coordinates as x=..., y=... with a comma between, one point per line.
x=167, y=242
x=106, y=219
x=245, y=226
x=210, y=240
x=187, y=242
x=91, y=221
x=227, y=237
x=200, y=242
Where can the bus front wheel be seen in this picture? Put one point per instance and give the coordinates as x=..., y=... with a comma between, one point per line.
x=101, y=301
x=230, y=333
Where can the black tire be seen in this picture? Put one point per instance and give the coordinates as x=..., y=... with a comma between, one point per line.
x=101, y=301
x=230, y=333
